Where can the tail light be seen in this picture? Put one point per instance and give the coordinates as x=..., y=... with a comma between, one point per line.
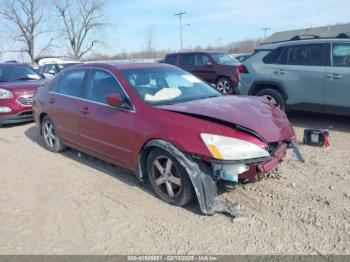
x=242, y=69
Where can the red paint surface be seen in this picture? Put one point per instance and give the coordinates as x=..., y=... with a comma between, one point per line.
x=119, y=135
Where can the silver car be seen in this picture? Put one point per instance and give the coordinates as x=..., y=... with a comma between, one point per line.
x=309, y=75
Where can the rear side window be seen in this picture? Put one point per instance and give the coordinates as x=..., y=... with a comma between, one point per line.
x=341, y=55
x=187, y=60
x=101, y=84
x=71, y=83
x=283, y=60
x=273, y=56
x=170, y=59
x=307, y=55
x=201, y=60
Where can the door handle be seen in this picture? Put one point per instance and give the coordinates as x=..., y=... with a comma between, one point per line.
x=334, y=76
x=280, y=72
x=85, y=110
x=52, y=100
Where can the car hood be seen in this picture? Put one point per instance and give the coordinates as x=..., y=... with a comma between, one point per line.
x=22, y=86
x=256, y=114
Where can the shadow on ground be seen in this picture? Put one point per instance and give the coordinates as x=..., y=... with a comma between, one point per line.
x=122, y=175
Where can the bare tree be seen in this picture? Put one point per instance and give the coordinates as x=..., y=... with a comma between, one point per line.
x=150, y=34
x=25, y=20
x=80, y=21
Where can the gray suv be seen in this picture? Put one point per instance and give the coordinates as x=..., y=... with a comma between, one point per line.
x=309, y=75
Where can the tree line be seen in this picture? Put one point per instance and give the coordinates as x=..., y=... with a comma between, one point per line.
x=150, y=52
x=33, y=26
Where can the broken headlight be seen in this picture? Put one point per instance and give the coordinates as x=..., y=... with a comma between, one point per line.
x=229, y=148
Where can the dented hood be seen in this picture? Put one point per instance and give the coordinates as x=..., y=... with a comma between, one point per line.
x=254, y=113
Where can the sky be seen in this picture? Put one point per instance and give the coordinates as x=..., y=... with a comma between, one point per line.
x=212, y=21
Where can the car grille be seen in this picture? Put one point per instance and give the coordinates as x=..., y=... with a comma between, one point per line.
x=25, y=101
x=26, y=113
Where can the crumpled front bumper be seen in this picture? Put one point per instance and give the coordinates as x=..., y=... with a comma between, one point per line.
x=254, y=167
x=278, y=154
x=266, y=166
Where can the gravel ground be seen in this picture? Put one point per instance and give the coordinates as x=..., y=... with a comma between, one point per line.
x=71, y=204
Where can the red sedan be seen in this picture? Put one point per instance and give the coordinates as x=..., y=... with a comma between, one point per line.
x=164, y=124
x=18, y=83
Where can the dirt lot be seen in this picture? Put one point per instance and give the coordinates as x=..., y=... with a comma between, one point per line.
x=63, y=203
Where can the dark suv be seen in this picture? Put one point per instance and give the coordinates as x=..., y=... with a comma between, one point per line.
x=216, y=68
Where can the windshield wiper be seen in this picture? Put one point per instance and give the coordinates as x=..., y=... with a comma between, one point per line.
x=26, y=78
x=206, y=97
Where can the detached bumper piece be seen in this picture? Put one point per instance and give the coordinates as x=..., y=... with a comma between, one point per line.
x=203, y=182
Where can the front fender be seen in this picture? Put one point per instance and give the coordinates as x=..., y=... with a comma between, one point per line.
x=203, y=183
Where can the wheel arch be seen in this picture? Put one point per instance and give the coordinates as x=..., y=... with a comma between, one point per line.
x=260, y=85
x=147, y=147
x=222, y=76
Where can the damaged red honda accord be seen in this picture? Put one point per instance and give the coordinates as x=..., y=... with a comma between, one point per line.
x=165, y=125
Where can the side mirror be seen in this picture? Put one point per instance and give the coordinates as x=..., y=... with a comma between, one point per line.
x=208, y=64
x=51, y=72
x=114, y=100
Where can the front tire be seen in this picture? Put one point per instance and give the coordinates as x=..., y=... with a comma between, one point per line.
x=168, y=178
x=52, y=141
x=224, y=86
x=274, y=96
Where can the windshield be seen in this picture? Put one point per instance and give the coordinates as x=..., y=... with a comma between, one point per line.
x=10, y=73
x=224, y=59
x=164, y=86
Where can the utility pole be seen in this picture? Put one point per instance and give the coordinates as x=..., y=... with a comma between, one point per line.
x=181, y=27
x=265, y=29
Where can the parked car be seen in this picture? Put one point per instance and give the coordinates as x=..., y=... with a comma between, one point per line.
x=162, y=123
x=216, y=68
x=50, y=69
x=309, y=75
x=18, y=82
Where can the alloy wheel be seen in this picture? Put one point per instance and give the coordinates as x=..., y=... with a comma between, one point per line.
x=166, y=176
x=224, y=86
x=49, y=134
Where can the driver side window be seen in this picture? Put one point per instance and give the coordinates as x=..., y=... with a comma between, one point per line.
x=101, y=84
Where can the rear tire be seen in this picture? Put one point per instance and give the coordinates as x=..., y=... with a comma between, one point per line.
x=51, y=139
x=224, y=86
x=168, y=178
x=274, y=96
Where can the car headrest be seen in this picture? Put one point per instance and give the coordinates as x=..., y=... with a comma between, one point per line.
x=143, y=79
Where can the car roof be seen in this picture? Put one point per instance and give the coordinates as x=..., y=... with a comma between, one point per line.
x=121, y=65
x=304, y=41
x=198, y=52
